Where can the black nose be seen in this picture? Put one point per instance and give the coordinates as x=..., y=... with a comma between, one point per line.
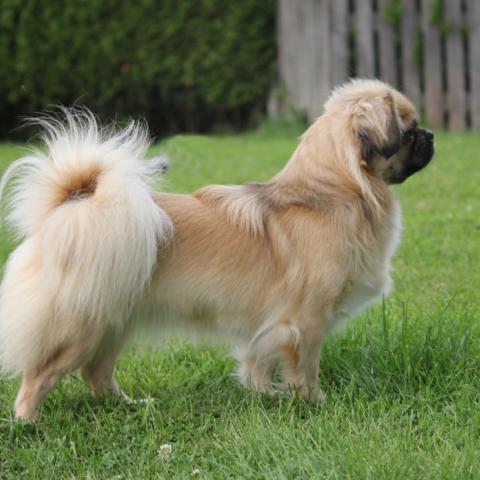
x=428, y=135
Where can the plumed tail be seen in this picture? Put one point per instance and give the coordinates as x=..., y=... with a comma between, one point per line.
x=91, y=232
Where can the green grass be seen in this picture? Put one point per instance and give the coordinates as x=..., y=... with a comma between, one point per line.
x=402, y=381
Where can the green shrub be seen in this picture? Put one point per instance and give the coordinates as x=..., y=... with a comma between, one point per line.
x=182, y=64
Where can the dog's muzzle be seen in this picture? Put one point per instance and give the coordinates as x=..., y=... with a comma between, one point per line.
x=422, y=153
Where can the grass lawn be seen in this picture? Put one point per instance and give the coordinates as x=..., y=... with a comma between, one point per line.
x=402, y=381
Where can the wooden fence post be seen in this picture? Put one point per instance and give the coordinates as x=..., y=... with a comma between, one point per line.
x=386, y=40
x=287, y=57
x=474, y=58
x=432, y=68
x=364, y=39
x=410, y=66
x=338, y=14
x=318, y=55
x=455, y=68
x=304, y=53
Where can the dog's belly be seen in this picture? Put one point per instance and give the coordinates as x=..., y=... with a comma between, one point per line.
x=200, y=306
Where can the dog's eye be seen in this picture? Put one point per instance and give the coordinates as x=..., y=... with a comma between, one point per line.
x=409, y=135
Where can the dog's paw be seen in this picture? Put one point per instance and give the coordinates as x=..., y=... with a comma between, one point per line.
x=310, y=394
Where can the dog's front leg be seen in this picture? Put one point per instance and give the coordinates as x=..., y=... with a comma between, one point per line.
x=255, y=372
x=300, y=364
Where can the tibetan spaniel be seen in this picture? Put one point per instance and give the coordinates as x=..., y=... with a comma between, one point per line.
x=272, y=266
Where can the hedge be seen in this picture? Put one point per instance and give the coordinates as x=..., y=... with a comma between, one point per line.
x=183, y=65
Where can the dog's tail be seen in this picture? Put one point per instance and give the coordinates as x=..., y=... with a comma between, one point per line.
x=91, y=233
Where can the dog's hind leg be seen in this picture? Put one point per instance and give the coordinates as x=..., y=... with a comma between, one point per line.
x=98, y=372
x=38, y=380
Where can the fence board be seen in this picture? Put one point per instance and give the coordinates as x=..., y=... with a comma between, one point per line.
x=305, y=71
x=286, y=48
x=315, y=50
x=338, y=13
x=434, y=99
x=386, y=40
x=322, y=22
x=456, y=96
x=474, y=58
x=364, y=39
x=304, y=53
x=410, y=67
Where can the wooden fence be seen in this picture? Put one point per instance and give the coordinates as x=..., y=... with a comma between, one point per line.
x=429, y=49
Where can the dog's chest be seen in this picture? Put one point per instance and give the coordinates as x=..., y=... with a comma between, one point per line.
x=357, y=296
x=370, y=277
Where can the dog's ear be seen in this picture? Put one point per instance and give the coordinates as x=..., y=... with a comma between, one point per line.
x=394, y=133
x=377, y=127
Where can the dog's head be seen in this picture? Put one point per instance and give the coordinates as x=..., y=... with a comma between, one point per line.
x=382, y=129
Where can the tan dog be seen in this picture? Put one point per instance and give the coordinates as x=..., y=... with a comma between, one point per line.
x=272, y=265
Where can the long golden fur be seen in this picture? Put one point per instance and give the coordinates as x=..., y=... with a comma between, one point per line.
x=271, y=265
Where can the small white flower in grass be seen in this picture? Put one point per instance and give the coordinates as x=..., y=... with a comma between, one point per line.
x=165, y=450
x=196, y=471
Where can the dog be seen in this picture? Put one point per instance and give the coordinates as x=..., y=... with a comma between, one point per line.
x=272, y=266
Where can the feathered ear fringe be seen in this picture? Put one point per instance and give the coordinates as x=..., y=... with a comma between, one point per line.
x=371, y=125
